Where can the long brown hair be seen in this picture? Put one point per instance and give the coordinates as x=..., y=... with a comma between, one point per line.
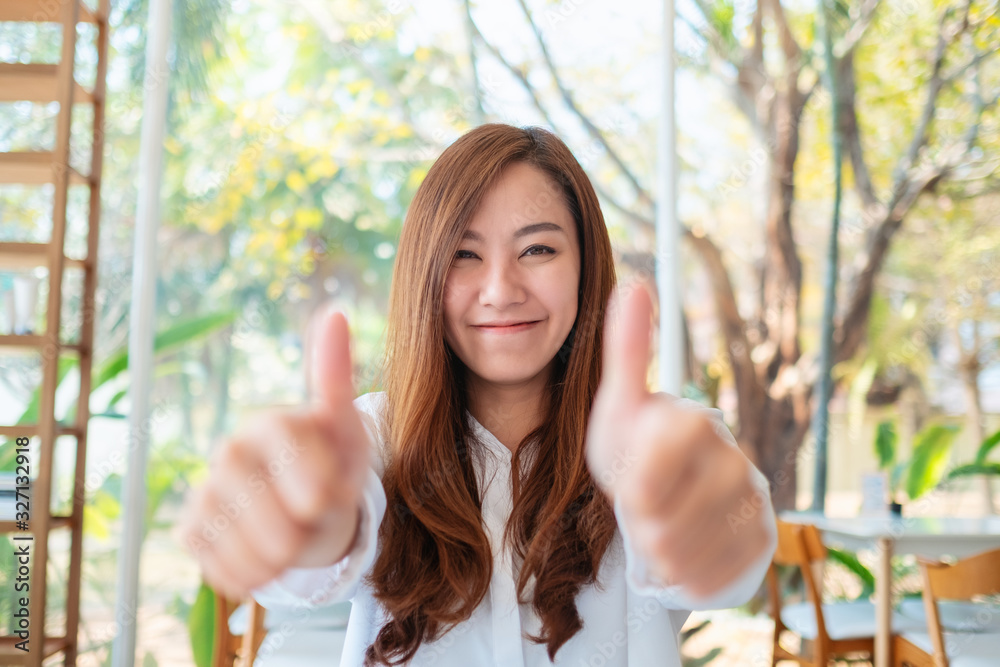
x=434, y=563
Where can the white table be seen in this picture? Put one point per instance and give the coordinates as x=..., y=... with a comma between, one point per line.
x=929, y=537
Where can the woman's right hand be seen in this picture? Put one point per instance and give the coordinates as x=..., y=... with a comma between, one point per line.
x=285, y=491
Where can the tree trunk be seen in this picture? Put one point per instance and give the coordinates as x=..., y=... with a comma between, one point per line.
x=779, y=446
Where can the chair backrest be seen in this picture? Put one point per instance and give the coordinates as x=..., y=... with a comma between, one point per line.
x=964, y=580
x=230, y=649
x=800, y=545
x=969, y=577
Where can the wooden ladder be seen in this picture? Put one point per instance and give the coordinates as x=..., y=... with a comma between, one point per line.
x=47, y=83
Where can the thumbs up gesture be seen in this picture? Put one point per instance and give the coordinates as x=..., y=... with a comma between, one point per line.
x=285, y=491
x=677, y=480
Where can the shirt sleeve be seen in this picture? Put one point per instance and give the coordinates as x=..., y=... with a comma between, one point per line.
x=637, y=573
x=337, y=582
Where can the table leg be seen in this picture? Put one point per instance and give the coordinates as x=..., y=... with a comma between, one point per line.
x=883, y=604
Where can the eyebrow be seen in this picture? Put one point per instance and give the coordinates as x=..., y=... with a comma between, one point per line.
x=533, y=228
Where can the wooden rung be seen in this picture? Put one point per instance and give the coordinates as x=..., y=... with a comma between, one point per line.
x=41, y=11
x=35, y=82
x=21, y=341
x=25, y=342
x=54, y=523
x=29, y=430
x=30, y=255
x=33, y=168
x=11, y=655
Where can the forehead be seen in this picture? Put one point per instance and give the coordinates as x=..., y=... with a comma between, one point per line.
x=522, y=195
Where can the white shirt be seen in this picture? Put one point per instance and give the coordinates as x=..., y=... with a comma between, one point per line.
x=630, y=621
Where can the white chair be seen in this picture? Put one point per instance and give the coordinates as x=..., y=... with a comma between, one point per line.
x=830, y=630
x=298, y=637
x=974, y=640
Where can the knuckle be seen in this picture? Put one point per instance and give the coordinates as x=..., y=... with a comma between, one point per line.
x=229, y=455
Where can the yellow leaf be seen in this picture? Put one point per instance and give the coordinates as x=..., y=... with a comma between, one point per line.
x=308, y=218
x=416, y=177
x=173, y=146
x=356, y=86
x=296, y=182
x=321, y=169
x=422, y=54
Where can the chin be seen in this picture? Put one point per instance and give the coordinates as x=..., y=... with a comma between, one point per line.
x=509, y=374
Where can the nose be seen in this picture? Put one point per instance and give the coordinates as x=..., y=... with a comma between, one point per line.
x=501, y=286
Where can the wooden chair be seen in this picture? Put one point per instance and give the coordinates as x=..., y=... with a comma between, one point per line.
x=975, y=642
x=231, y=649
x=827, y=630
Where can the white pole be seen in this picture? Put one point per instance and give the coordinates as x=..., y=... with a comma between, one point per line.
x=668, y=265
x=141, y=326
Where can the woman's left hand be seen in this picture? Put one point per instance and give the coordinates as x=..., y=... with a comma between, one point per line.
x=684, y=489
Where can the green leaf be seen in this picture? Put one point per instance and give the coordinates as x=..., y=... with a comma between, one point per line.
x=703, y=660
x=851, y=562
x=885, y=444
x=201, y=626
x=687, y=633
x=986, y=446
x=166, y=341
x=930, y=459
x=971, y=469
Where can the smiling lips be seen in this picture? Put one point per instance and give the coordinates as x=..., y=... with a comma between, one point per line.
x=505, y=327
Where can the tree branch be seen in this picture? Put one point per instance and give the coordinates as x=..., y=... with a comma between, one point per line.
x=733, y=328
x=793, y=52
x=522, y=78
x=592, y=129
x=922, y=132
x=856, y=32
x=851, y=332
x=851, y=132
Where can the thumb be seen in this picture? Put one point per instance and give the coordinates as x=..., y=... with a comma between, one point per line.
x=627, y=332
x=328, y=363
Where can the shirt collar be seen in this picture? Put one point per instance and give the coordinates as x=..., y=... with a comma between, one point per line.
x=486, y=437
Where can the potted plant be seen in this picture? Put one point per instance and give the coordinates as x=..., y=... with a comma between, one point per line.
x=923, y=471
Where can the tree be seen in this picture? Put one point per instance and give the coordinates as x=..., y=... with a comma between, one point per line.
x=771, y=82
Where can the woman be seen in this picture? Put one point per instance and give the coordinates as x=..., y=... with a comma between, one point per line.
x=629, y=510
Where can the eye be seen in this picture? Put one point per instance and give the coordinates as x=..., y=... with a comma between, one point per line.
x=542, y=250
x=459, y=255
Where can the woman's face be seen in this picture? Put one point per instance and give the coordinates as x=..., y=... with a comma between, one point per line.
x=518, y=263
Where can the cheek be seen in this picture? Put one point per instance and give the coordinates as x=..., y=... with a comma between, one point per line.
x=454, y=309
x=563, y=296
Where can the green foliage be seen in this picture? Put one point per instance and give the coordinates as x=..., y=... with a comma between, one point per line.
x=986, y=446
x=930, y=458
x=850, y=561
x=201, y=626
x=166, y=342
x=980, y=466
x=885, y=444
x=170, y=340
x=703, y=660
x=711, y=655
x=972, y=469
x=926, y=468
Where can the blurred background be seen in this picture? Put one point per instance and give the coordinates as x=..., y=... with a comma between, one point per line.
x=298, y=131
